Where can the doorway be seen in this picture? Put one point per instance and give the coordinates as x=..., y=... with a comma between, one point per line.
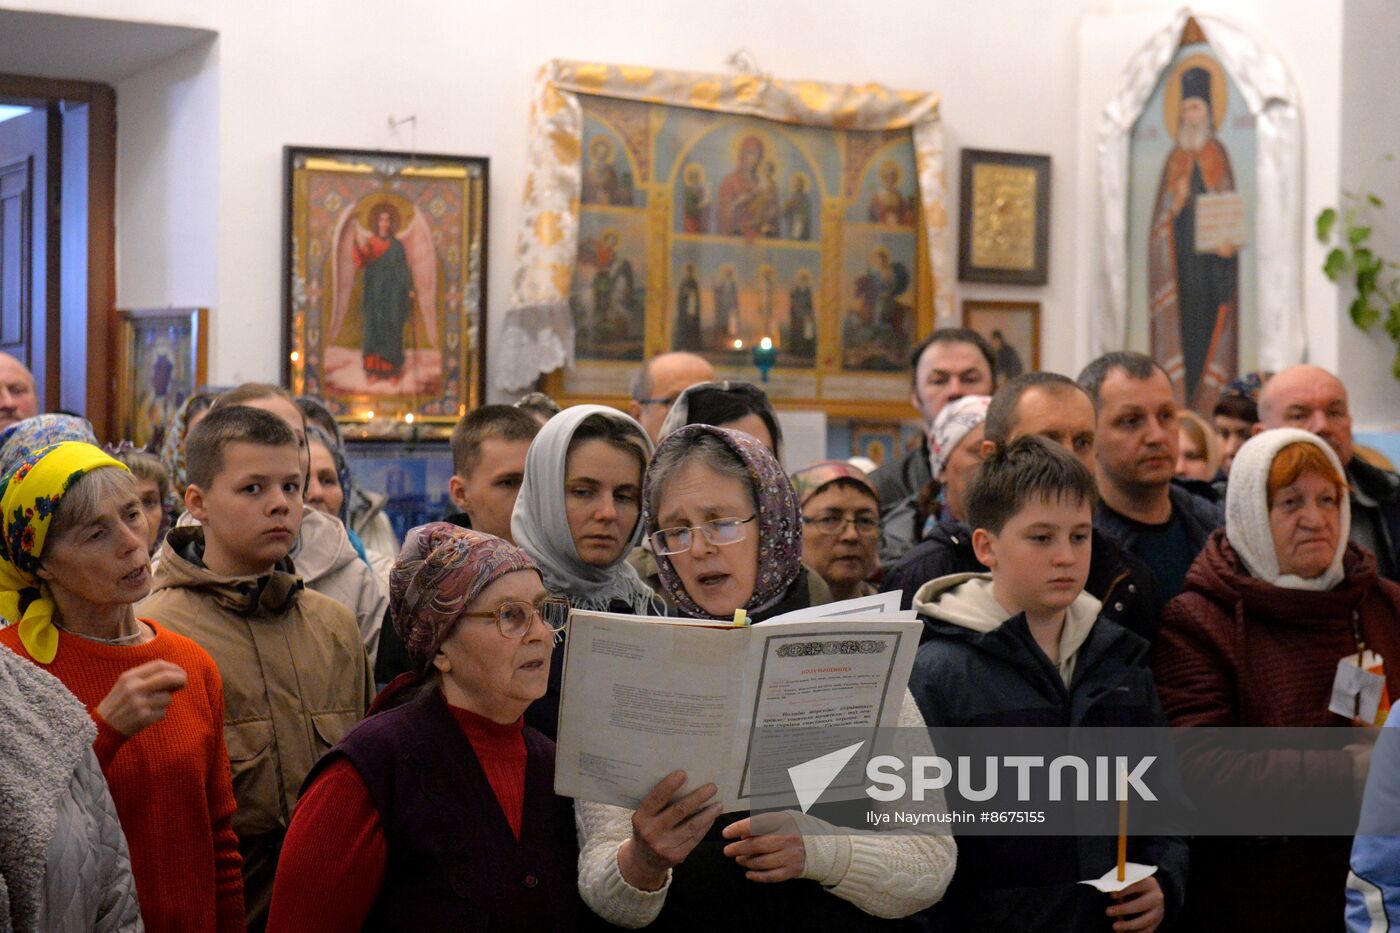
x=57, y=242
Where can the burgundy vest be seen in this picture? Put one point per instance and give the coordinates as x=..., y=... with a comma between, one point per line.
x=452, y=861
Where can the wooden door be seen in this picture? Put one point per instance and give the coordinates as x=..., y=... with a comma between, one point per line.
x=25, y=286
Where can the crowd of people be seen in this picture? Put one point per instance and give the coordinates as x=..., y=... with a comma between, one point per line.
x=232, y=699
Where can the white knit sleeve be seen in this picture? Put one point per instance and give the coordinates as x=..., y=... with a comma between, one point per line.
x=602, y=829
x=888, y=874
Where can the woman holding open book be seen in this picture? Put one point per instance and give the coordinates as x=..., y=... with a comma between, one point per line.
x=1274, y=602
x=578, y=515
x=725, y=526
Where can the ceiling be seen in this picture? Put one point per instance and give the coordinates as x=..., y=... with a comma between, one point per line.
x=85, y=49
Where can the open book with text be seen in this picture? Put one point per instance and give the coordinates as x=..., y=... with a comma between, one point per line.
x=737, y=706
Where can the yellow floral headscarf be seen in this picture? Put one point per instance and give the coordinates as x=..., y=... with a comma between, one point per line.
x=29, y=497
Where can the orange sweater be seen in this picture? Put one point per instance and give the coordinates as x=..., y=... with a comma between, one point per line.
x=171, y=781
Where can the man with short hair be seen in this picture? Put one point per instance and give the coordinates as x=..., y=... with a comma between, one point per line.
x=488, y=464
x=19, y=396
x=1161, y=522
x=1054, y=407
x=950, y=363
x=660, y=380
x=1313, y=399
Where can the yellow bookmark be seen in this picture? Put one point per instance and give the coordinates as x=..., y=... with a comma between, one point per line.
x=740, y=618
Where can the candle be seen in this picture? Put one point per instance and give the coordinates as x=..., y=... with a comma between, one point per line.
x=1122, y=824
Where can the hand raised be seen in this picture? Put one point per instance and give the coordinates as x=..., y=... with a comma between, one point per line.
x=665, y=831
x=140, y=696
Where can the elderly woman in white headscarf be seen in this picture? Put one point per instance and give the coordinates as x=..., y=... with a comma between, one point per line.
x=1275, y=600
x=578, y=515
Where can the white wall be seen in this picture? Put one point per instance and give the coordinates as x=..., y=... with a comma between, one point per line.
x=1368, y=132
x=330, y=72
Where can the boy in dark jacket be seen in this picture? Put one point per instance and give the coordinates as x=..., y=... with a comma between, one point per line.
x=1024, y=645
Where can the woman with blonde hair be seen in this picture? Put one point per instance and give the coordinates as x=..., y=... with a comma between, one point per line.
x=1198, y=454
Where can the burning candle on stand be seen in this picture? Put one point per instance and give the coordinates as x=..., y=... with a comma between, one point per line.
x=764, y=356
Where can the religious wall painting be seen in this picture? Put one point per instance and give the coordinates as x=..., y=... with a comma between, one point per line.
x=1004, y=218
x=385, y=279
x=1012, y=329
x=162, y=358
x=878, y=323
x=1192, y=203
x=738, y=229
x=608, y=299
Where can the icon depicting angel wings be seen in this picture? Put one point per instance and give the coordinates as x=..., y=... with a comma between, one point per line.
x=397, y=272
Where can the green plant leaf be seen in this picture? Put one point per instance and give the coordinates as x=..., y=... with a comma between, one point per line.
x=1375, y=201
x=1325, y=222
x=1358, y=235
x=1395, y=366
x=1362, y=314
x=1336, y=264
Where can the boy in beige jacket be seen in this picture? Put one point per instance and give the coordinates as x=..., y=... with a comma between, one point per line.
x=296, y=678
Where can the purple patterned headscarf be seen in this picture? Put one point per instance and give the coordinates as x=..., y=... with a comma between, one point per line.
x=440, y=570
x=779, y=521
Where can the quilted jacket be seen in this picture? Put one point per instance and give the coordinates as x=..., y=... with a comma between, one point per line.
x=64, y=866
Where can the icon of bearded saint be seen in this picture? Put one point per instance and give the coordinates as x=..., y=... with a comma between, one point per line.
x=397, y=270
x=1194, y=296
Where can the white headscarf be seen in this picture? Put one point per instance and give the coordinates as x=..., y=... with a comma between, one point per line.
x=1247, y=510
x=954, y=421
x=540, y=523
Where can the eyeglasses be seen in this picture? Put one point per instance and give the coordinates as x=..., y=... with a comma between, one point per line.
x=668, y=402
x=515, y=616
x=719, y=532
x=835, y=524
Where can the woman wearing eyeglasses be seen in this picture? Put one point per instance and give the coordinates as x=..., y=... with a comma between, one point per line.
x=578, y=514
x=439, y=813
x=840, y=526
x=726, y=528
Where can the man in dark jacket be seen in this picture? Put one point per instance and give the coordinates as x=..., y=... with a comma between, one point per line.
x=1056, y=408
x=1165, y=524
x=951, y=363
x=1313, y=399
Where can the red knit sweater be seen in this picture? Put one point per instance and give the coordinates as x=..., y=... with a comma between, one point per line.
x=171, y=781
x=332, y=861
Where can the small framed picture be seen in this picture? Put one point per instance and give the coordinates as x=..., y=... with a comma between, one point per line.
x=1013, y=330
x=162, y=358
x=1004, y=218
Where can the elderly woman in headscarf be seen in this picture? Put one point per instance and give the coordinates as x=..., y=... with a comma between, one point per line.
x=439, y=813
x=737, y=406
x=840, y=526
x=725, y=524
x=1275, y=600
x=328, y=490
x=578, y=514
x=73, y=561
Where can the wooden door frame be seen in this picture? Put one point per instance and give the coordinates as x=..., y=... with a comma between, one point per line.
x=101, y=100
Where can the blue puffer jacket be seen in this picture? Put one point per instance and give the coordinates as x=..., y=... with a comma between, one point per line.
x=1373, y=886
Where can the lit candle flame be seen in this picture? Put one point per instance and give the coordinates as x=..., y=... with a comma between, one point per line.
x=738, y=344
x=295, y=356
x=369, y=416
x=408, y=418
x=766, y=343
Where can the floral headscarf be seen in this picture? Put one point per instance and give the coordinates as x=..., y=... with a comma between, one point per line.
x=779, y=521
x=172, y=446
x=29, y=497
x=440, y=570
x=19, y=441
x=811, y=480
